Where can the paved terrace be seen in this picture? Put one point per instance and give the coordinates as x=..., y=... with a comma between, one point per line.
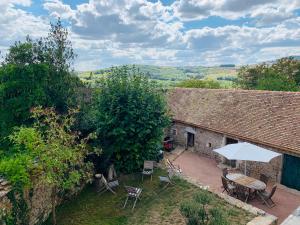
x=205, y=170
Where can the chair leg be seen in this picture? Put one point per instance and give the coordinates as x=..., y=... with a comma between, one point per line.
x=134, y=203
x=111, y=190
x=167, y=184
x=125, y=202
x=270, y=204
x=264, y=200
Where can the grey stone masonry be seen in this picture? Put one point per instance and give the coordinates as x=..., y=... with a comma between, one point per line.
x=205, y=141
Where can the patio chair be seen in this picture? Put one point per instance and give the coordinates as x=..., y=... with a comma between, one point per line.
x=266, y=197
x=242, y=193
x=132, y=192
x=103, y=185
x=264, y=178
x=148, y=169
x=225, y=172
x=175, y=168
x=229, y=188
x=167, y=180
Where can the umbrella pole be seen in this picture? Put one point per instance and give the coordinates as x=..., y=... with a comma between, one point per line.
x=245, y=169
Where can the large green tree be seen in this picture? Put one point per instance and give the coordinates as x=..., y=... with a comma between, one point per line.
x=283, y=75
x=130, y=114
x=37, y=72
x=20, y=89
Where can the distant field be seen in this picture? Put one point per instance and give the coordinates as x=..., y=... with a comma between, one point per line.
x=168, y=76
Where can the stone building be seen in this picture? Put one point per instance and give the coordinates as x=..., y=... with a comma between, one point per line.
x=206, y=119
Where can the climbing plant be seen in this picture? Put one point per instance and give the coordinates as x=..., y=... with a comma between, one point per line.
x=49, y=149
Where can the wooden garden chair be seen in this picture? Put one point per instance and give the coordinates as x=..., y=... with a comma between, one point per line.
x=132, y=192
x=225, y=171
x=229, y=188
x=103, y=185
x=264, y=178
x=148, y=169
x=266, y=197
x=242, y=192
x=167, y=180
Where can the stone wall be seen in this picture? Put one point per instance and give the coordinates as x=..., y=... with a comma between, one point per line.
x=38, y=200
x=5, y=204
x=272, y=169
x=206, y=141
x=39, y=203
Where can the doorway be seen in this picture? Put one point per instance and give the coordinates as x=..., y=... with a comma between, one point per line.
x=190, y=139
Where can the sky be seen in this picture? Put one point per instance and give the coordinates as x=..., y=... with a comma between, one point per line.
x=160, y=32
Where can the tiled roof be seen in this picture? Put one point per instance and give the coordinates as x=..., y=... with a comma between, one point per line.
x=265, y=117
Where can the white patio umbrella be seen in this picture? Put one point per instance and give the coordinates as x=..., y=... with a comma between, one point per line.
x=246, y=152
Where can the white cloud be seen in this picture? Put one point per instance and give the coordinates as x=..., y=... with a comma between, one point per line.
x=265, y=11
x=57, y=8
x=16, y=23
x=112, y=32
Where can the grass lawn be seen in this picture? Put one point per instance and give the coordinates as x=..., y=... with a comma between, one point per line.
x=157, y=205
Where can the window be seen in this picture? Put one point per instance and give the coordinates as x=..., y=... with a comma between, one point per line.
x=231, y=163
x=174, y=132
x=231, y=141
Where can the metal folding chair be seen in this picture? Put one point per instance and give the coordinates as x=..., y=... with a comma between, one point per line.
x=132, y=192
x=103, y=185
x=148, y=169
x=167, y=180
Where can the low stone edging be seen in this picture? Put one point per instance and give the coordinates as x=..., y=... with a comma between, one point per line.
x=262, y=218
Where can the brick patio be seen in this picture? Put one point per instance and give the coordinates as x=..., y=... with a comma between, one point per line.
x=205, y=170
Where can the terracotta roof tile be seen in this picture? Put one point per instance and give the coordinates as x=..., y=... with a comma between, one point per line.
x=267, y=117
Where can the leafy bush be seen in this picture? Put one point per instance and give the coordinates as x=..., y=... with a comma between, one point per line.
x=49, y=150
x=130, y=114
x=283, y=75
x=197, y=211
x=196, y=83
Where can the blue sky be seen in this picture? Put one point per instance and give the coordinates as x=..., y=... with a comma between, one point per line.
x=166, y=32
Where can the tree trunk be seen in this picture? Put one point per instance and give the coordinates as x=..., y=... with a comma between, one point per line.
x=54, y=206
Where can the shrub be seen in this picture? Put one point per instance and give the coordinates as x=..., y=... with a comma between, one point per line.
x=198, y=213
x=196, y=83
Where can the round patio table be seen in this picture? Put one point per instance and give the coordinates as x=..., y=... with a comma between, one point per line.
x=246, y=181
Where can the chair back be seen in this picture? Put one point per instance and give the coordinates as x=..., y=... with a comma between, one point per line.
x=225, y=172
x=272, y=191
x=170, y=165
x=132, y=191
x=264, y=178
x=148, y=165
x=224, y=182
x=171, y=173
x=103, y=180
x=241, y=192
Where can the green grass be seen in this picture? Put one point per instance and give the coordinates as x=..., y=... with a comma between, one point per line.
x=168, y=75
x=157, y=205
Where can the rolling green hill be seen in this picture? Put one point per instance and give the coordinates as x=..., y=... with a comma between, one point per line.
x=167, y=75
